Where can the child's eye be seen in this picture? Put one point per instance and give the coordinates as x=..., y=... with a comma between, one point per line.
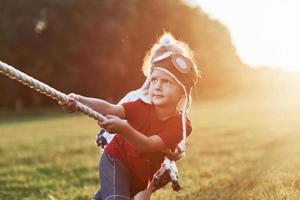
x=168, y=82
x=154, y=80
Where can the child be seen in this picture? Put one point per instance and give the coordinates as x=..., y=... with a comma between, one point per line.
x=148, y=128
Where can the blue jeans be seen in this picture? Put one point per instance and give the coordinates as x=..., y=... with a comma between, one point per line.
x=114, y=179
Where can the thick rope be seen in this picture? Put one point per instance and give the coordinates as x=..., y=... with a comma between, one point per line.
x=42, y=88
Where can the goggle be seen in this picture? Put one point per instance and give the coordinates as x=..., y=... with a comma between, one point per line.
x=178, y=65
x=182, y=64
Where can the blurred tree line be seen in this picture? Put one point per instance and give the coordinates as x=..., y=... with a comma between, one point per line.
x=96, y=47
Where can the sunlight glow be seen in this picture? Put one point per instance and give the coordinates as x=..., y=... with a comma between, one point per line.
x=265, y=32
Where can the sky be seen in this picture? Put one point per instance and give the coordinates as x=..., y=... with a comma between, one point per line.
x=265, y=32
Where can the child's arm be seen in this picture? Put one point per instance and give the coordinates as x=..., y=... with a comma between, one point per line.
x=138, y=140
x=102, y=106
x=98, y=105
x=141, y=142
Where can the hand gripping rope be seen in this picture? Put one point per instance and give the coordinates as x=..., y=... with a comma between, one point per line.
x=42, y=88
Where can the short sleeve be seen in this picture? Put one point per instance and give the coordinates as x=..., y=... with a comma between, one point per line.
x=133, y=109
x=172, y=132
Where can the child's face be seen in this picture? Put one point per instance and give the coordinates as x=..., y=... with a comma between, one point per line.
x=164, y=90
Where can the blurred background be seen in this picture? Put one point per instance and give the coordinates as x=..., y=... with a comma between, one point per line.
x=90, y=47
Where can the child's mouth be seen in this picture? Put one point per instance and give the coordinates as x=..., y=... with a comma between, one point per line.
x=158, y=96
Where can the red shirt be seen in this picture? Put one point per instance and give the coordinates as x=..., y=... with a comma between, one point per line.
x=142, y=166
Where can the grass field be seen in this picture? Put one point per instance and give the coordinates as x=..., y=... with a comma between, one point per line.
x=241, y=148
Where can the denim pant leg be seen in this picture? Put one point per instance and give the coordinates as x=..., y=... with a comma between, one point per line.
x=114, y=179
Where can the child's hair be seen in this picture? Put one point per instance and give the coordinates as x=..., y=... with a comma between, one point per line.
x=176, y=59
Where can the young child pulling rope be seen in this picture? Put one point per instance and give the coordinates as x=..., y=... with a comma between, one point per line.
x=148, y=128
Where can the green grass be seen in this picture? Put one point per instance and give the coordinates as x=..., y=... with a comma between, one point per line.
x=241, y=148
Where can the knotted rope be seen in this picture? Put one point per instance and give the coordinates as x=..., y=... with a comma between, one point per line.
x=45, y=89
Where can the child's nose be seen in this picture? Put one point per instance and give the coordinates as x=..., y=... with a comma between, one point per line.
x=158, y=85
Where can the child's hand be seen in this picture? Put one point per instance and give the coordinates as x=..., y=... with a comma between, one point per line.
x=113, y=124
x=174, y=155
x=69, y=105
